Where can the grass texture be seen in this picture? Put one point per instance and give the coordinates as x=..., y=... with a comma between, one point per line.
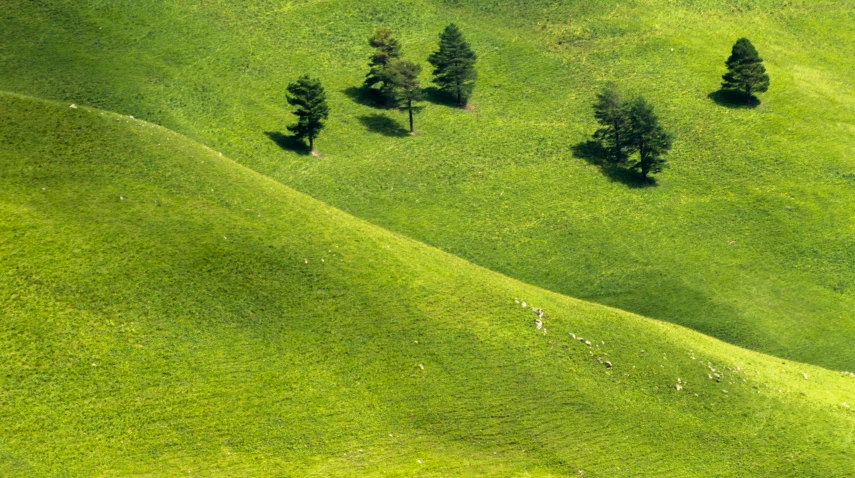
x=168, y=312
x=748, y=237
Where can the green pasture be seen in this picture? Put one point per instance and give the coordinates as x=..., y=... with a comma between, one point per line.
x=748, y=236
x=168, y=312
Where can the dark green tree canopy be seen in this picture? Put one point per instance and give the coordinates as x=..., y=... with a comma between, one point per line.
x=386, y=48
x=454, y=64
x=647, y=137
x=403, y=76
x=611, y=112
x=745, y=70
x=310, y=102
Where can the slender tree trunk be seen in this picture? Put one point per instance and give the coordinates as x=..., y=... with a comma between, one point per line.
x=459, y=99
x=311, y=144
x=410, y=109
x=748, y=95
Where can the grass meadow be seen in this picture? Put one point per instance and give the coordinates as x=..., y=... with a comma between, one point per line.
x=185, y=291
x=747, y=237
x=168, y=312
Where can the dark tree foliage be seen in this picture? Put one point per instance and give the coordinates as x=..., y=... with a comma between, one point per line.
x=386, y=49
x=647, y=137
x=454, y=65
x=403, y=75
x=745, y=70
x=310, y=102
x=612, y=114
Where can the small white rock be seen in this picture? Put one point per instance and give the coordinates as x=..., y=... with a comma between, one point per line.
x=421, y=366
x=72, y=106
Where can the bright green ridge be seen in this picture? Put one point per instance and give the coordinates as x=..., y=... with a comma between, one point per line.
x=167, y=312
x=748, y=237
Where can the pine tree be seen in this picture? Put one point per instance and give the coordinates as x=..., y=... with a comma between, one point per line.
x=386, y=49
x=745, y=70
x=454, y=65
x=647, y=137
x=310, y=100
x=403, y=75
x=611, y=112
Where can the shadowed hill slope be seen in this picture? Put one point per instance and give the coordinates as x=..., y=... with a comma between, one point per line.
x=748, y=236
x=167, y=312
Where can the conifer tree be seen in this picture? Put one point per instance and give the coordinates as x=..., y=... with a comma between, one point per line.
x=386, y=49
x=454, y=65
x=611, y=113
x=647, y=137
x=403, y=75
x=310, y=102
x=745, y=70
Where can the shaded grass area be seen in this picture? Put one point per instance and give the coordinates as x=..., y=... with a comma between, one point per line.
x=746, y=237
x=168, y=312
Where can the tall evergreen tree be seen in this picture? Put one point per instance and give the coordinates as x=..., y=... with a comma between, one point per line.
x=403, y=75
x=386, y=49
x=612, y=114
x=454, y=64
x=310, y=102
x=745, y=70
x=647, y=137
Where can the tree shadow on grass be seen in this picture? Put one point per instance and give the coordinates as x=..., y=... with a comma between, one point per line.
x=436, y=96
x=594, y=153
x=288, y=143
x=380, y=123
x=370, y=97
x=733, y=99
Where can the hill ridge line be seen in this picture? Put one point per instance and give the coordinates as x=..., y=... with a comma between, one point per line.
x=657, y=322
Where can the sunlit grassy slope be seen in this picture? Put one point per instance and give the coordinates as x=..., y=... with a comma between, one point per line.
x=748, y=237
x=167, y=312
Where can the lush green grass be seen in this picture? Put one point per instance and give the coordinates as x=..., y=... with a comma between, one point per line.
x=167, y=312
x=748, y=237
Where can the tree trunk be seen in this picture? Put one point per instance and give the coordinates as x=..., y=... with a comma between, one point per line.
x=459, y=99
x=748, y=95
x=311, y=144
x=410, y=109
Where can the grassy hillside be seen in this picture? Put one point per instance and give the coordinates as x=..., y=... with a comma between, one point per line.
x=167, y=312
x=748, y=237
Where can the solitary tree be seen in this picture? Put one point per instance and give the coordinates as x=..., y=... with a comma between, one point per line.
x=611, y=112
x=454, y=64
x=647, y=136
x=745, y=70
x=310, y=102
x=403, y=75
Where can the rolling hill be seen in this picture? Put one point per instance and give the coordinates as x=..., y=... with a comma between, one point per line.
x=169, y=312
x=748, y=237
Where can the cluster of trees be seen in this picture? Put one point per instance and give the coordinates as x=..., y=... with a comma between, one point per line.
x=394, y=79
x=629, y=128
